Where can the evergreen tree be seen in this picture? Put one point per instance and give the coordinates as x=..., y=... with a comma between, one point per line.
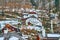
x=57, y=5
x=34, y=3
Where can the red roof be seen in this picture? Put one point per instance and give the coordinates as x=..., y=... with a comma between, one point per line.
x=32, y=12
x=23, y=19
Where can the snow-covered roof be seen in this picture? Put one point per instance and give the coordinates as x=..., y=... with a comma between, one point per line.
x=2, y=23
x=54, y=35
x=35, y=15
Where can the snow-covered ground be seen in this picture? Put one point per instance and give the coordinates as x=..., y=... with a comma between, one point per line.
x=14, y=38
x=1, y=38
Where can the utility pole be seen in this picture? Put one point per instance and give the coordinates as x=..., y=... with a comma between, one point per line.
x=52, y=26
x=51, y=18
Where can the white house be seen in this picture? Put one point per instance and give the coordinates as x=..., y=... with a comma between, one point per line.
x=33, y=21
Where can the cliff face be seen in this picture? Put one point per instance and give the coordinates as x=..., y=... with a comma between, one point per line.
x=16, y=1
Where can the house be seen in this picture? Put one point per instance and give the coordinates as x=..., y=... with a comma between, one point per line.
x=33, y=21
x=2, y=23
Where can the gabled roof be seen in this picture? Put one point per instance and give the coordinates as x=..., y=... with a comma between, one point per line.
x=32, y=12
